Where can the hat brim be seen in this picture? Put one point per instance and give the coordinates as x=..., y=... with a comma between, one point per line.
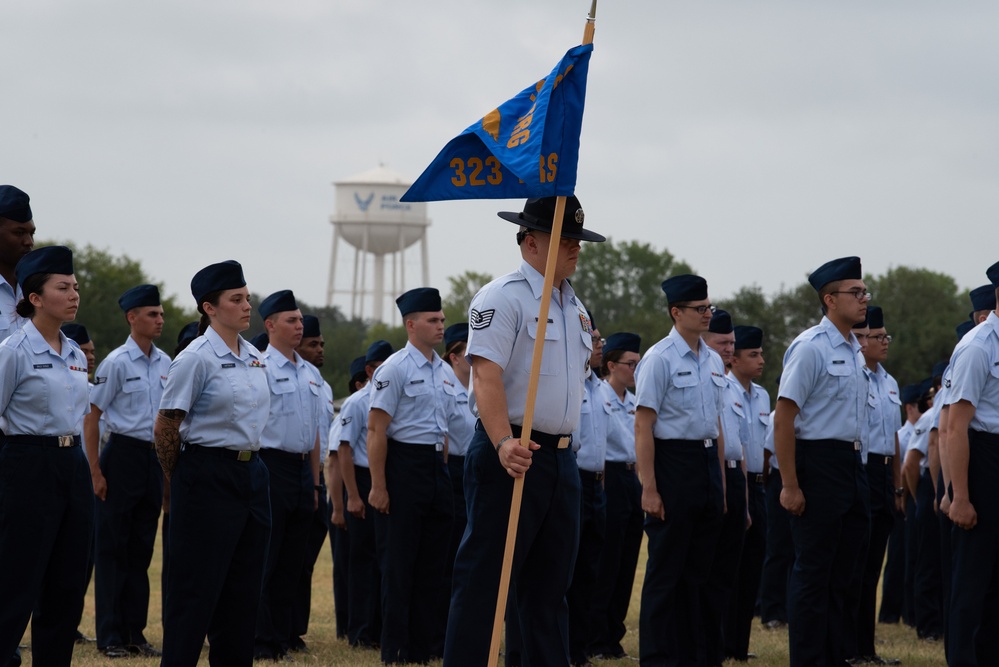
x=519, y=218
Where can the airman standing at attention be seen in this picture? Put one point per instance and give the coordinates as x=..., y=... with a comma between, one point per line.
x=407, y=436
x=823, y=394
x=680, y=447
x=17, y=238
x=127, y=477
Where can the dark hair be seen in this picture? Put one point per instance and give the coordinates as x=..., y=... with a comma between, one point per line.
x=613, y=355
x=33, y=284
x=826, y=289
x=212, y=298
x=453, y=349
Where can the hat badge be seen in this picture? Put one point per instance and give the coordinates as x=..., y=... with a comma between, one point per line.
x=579, y=216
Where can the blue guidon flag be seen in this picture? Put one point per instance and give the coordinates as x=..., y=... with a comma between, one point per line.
x=528, y=147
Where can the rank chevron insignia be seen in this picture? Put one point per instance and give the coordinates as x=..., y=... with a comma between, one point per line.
x=480, y=319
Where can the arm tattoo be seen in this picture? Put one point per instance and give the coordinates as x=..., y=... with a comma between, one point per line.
x=166, y=434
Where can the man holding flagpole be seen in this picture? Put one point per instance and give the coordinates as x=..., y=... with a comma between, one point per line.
x=503, y=324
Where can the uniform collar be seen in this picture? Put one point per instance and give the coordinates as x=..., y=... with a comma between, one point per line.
x=418, y=357
x=836, y=337
x=40, y=346
x=681, y=345
x=273, y=354
x=135, y=352
x=221, y=349
x=15, y=288
x=537, y=282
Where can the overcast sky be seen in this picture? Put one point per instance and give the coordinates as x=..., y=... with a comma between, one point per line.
x=753, y=140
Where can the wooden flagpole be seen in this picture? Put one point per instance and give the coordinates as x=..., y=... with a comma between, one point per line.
x=532, y=393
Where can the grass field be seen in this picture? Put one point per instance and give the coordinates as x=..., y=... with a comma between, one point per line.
x=896, y=641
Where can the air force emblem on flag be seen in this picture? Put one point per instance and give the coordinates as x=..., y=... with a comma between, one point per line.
x=481, y=319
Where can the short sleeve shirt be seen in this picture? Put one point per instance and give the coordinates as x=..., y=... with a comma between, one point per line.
x=354, y=425
x=128, y=387
x=974, y=374
x=410, y=388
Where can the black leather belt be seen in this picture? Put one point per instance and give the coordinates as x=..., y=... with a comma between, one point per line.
x=847, y=445
x=590, y=475
x=44, y=440
x=281, y=454
x=755, y=477
x=879, y=458
x=669, y=442
x=731, y=464
x=544, y=439
x=621, y=465
x=129, y=440
x=241, y=455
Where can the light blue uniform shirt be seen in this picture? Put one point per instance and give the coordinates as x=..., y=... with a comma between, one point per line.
x=503, y=323
x=755, y=407
x=225, y=396
x=974, y=374
x=620, y=425
x=296, y=399
x=353, y=425
x=128, y=387
x=685, y=389
x=920, y=440
x=734, y=425
x=904, y=438
x=884, y=413
x=461, y=421
x=823, y=376
x=41, y=392
x=410, y=388
x=768, y=442
x=327, y=414
x=592, y=431
x=10, y=321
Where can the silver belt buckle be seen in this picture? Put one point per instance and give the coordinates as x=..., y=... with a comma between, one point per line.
x=731, y=464
x=65, y=440
x=244, y=455
x=439, y=447
x=707, y=443
x=856, y=445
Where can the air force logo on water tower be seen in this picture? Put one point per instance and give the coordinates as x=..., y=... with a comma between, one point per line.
x=363, y=204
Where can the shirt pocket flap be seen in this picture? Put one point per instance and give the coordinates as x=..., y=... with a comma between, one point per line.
x=414, y=389
x=551, y=332
x=684, y=378
x=285, y=385
x=839, y=368
x=134, y=385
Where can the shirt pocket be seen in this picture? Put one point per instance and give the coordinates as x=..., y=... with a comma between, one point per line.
x=839, y=378
x=682, y=390
x=138, y=394
x=550, y=363
x=283, y=390
x=873, y=410
x=416, y=390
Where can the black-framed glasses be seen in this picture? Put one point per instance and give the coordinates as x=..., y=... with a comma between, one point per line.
x=598, y=339
x=858, y=294
x=881, y=338
x=629, y=364
x=700, y=309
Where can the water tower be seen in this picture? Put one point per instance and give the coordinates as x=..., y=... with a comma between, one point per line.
x=370, y=217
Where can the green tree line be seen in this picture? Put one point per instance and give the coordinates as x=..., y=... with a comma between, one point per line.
x=618, y=281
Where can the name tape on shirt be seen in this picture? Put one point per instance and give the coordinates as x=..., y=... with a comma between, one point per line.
x=229, y=365
x=480, y=319
x=42, y=366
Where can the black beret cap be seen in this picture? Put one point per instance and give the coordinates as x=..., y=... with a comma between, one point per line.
x=863, y=324
x=539, y=213
x=844, y=268
x=993, y=274
x=983, y=298
x=14, y=204
x=875, y=317
x=380, y=350
x=685, y=287
x=261, y=341
x=925, y=387
x=139, y=296
x=310, y=327
x=963, y=328
x=279, y=302
x=419, y=300
x=188, y=333
x=217, y=277
x=748, y=338
x=910, y=394
x=76, y=332
x=357, y=366
x=624, y=341
x=50, y=259
x=455, y=332
x=721, y=322
x=940, y=367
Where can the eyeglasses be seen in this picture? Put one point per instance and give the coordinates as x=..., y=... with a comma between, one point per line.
x=881, y=338
x=598, y=339
x=858, y=294
x=700, y=309
x=629, y=364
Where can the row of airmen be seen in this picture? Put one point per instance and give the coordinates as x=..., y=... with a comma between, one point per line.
x=239, y=435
